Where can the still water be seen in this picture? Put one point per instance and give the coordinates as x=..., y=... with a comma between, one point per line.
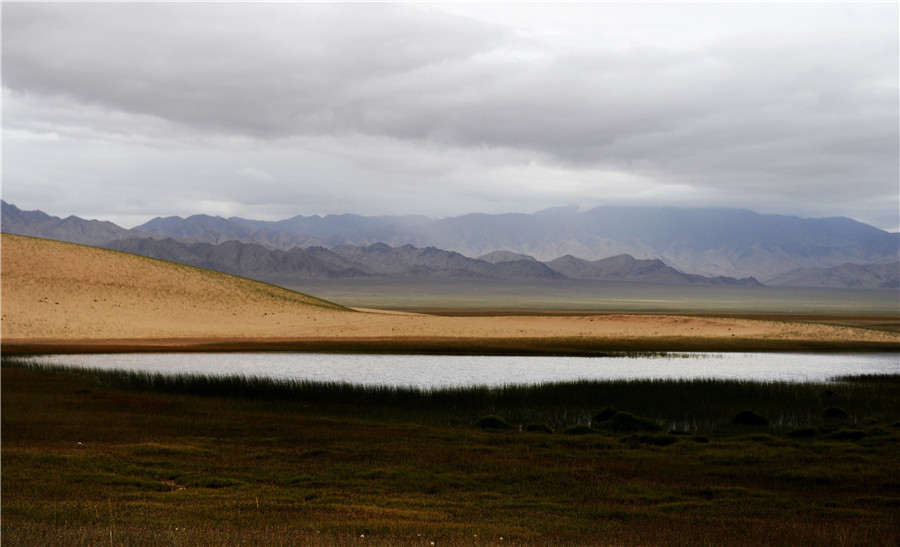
x=430, y=371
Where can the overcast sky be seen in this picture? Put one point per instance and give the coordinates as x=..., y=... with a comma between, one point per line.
x=129, y=111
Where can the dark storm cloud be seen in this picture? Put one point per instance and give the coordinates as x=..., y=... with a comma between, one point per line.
x=795, y=101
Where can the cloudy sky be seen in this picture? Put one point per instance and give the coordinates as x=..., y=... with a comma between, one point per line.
x=129, y=111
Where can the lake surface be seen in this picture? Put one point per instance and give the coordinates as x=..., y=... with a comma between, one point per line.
x=430, y=371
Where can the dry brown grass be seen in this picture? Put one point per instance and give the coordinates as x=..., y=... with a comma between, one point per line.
x=57, y=293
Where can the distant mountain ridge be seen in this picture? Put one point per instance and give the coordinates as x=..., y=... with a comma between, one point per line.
x=380, y=260
x=72, y=229
x=626, y=267
x=662, y=244
x=709, y=242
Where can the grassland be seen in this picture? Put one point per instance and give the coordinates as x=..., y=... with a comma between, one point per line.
x=588, y=297
x=124, y=458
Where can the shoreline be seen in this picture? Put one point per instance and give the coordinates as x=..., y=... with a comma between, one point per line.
x=561, y=346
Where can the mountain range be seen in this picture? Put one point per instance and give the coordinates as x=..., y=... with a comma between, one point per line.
x=380, y=260
x=710, y=242
x=658, y=245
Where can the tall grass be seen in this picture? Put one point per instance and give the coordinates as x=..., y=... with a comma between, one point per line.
x=689, y=405
x=89, y=463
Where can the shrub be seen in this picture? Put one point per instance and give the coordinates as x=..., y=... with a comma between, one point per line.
x=603, y=415
x=623, y=422
x=539, y=428
x=578, y=430
x=836, y=413
x=492, y=422
x=748, y=417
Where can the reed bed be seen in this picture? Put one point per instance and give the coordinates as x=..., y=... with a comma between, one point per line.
x=691, y=405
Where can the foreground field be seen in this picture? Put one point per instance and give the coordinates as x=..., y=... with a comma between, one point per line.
x=65, y=297
x=89, y=460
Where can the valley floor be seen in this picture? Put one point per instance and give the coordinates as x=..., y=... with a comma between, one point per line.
x=372, y=331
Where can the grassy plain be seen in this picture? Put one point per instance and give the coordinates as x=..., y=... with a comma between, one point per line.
x=95, y=458
x=581, y=297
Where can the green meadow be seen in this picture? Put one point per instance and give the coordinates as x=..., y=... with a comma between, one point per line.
x=119, y=458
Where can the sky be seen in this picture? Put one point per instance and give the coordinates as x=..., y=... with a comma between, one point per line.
x=128, y=111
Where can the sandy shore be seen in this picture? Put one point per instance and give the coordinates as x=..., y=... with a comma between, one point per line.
x=58, y=296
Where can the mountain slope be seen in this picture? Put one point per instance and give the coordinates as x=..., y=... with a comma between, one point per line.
x=628, y=268
x=505, y=256
x=58, y=290
x=857, y=276
x=245, y=259
x=379, y=260
x=382, y=259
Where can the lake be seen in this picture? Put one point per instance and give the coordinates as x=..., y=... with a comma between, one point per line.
x=432, y=371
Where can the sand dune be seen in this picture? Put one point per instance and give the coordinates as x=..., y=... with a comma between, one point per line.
x=55, y=292
x=60, y=290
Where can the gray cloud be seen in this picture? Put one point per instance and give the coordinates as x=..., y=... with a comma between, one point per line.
x=263, y=70
x=399, y=105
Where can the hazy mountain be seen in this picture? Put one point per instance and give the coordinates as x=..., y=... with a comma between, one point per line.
x=505, y=256
x=72, y=229
x=865, y=276
x=299, y=231
x=347, y=226
x=730, y=242
x=378, y=260
x=215, y=230
x=627, y=268
x=703, y=241
x=707, y=241
x=381, y=259
x=245, y=259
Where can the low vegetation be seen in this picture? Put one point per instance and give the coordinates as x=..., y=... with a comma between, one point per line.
x=109, y=457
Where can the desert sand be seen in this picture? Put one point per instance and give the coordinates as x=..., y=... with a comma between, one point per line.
x=58, y=296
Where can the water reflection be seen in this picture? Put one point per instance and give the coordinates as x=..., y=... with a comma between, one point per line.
x=427, y=371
